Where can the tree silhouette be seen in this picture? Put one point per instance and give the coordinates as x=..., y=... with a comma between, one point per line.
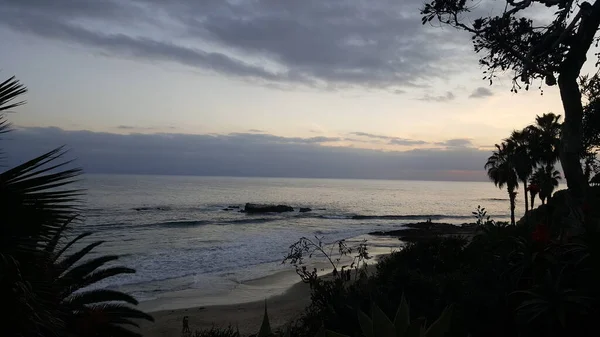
x=547, y=179
x=534, y=48
x=546, y=131
x=500, y=169
x=42, y=287
x=521, y=144
x=590, y=88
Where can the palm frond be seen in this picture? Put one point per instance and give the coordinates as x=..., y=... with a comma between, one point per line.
x=51, y=246
x=70, y=260
x=71, y=243
x=120, y=311
x=98, y=296
x=103, y=274
x=9, y=90
x=80, y=271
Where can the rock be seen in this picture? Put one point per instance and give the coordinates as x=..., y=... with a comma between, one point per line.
x=305, y=209
x=233, y=207
x=227, y=209
x=259, y=208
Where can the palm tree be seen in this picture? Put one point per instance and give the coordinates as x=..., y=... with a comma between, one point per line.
x=546, y=130
x=43, y=289
x=533, y=191
x=523, y=157
x=500, y=169
x=547, y=179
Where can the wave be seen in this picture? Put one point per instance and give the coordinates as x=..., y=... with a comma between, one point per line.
x=192, y=223
x=152, y=208
x=394, y=217
x=248, y=220
x=495, y=199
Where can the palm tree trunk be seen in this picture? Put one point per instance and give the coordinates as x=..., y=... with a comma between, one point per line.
x=532, y=200
x=526, y=199
x=512, y=195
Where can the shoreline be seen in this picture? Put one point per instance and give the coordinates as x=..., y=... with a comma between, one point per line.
x=285, y=301
x=246, y=317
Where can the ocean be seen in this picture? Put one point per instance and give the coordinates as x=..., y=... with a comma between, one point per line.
x=175, y=232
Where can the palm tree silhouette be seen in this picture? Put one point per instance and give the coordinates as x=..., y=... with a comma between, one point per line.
x=547, y=131
x=44, y=289
x=521, y=143
x=547, y=179
x=500, y=169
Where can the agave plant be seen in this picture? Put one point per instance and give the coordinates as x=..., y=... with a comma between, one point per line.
x=42, y=286
x=379, y=325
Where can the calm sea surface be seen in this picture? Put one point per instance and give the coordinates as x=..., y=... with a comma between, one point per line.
x=174, y=231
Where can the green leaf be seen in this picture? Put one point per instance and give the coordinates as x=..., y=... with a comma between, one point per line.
x=441, y=326
x=265, y=327
x=402, y=319
x=366, y=324
x=382, y=326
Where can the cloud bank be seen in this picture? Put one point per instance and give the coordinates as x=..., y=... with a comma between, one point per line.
x=244, y=154
x=319, y=43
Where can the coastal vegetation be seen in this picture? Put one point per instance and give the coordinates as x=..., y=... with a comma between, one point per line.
x=47, y=275
x=536, y=276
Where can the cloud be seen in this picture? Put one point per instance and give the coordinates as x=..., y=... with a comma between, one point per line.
x=371, y=135
x=318, y=43
x=242, y=154
x=406, y=142
x=456, y=142
x=390, y=140
x=144, y=128
x=481, y=92
x=256, y=130
x=449, y=96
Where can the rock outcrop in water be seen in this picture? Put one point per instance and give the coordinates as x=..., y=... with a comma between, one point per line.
x=305, y=209
x=259, y=208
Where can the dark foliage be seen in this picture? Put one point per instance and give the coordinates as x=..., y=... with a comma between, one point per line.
x=548, y=48
x=44, y=274
x=524, y=280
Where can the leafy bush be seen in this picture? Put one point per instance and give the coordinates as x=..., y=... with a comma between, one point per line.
x=528, y=280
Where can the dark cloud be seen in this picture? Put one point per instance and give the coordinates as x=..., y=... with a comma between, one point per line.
x=371, y=135
x=390, y=139
x=320, y=43
x=242, y=155
x=449, y=96
x=481, y=92
x=145, y=128
x=406, y=142
x=456, y=142
x=261, y=137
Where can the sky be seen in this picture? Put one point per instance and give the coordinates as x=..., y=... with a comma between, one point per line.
x=312, y=88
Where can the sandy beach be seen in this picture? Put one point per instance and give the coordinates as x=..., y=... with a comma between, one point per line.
x=246, y=316
x=286, y=296
x=286, y=306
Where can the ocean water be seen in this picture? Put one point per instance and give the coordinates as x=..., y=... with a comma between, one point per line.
x=174, y=232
